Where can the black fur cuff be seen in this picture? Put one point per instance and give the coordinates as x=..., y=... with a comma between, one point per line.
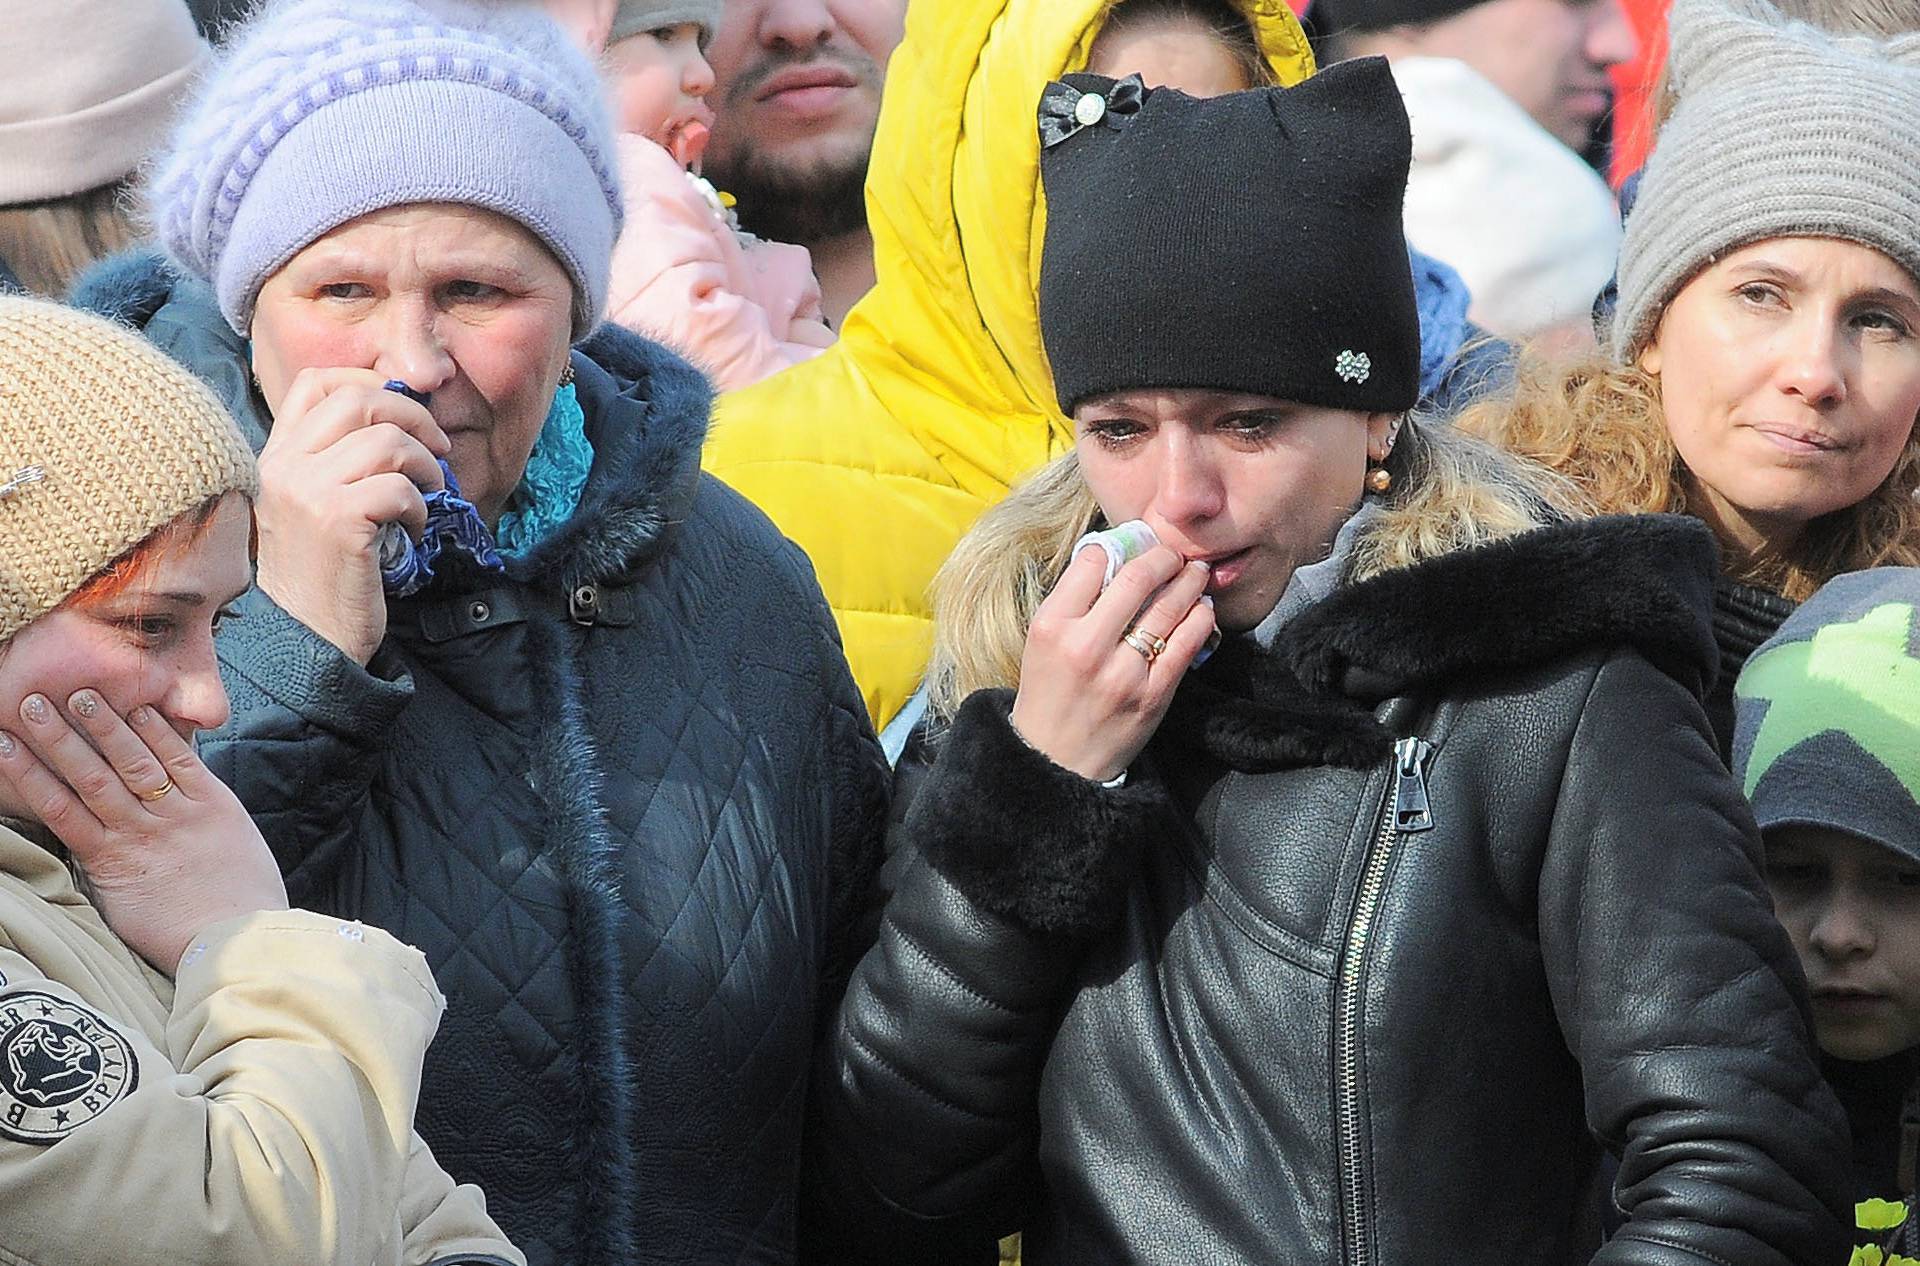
x=1026, y=840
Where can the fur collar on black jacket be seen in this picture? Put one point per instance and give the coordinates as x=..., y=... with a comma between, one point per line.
x=1060, y=851
x=1640, y=581
x=646, y=415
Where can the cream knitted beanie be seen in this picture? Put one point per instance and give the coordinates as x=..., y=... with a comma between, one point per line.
x=1780, y=130
x=89, y=90
x=103, y=441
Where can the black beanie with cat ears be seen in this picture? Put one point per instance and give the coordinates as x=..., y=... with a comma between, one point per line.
x=1250, y=242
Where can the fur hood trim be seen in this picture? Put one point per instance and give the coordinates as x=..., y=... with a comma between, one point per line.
x=1640, y=582
x=130, y=287
x=646, y=411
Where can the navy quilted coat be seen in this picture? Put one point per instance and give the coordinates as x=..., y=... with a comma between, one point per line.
x=627, y=802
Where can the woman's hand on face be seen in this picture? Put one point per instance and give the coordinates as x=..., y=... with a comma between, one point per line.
x=345, y=458
x=1089, y=700
x=162, y=866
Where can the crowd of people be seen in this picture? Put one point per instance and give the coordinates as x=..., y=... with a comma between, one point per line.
x=859, y=631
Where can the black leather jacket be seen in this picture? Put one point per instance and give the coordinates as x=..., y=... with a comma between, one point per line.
x=1419, y=913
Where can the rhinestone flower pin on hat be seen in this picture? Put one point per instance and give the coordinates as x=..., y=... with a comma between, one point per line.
x=21, y=479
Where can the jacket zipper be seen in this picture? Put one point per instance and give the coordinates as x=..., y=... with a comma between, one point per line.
x=1406, y=811
x=1909, y=1137
x=1907, y=1238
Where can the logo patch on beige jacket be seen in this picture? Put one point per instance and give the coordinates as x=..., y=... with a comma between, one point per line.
x=61, y=1065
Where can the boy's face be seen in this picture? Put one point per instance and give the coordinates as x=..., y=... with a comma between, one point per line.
x=1852, y=909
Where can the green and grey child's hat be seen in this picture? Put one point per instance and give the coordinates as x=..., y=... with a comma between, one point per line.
x=1827, y=713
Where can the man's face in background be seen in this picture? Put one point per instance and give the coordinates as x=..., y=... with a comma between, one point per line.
x=1549, y=56
x=797, y=94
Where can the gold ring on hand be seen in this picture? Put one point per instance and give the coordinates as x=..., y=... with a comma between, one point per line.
x=1150, y=646
x=157, y=793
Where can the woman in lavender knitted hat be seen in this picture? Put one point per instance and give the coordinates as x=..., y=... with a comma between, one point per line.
x=517, y=682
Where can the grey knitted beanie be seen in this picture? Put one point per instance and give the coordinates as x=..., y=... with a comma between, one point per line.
x=1780, y=130
x=321, y=111
x=635, y=16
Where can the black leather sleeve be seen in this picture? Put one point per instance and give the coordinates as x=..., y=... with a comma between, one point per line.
x=1681, y=997
x=925, y=1115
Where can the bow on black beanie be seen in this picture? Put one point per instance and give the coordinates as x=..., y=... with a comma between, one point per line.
x=1250, y=242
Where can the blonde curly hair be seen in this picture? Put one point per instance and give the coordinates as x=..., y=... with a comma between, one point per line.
x=1601, y=426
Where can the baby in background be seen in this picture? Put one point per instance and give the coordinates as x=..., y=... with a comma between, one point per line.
x=684, y=272
x=1827, y=746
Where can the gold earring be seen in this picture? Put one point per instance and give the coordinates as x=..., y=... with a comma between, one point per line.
x=1379, y=481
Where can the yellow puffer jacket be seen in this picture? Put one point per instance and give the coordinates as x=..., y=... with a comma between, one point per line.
x=878, y=455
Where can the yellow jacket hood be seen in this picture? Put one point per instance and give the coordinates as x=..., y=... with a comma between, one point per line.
x=878, y=455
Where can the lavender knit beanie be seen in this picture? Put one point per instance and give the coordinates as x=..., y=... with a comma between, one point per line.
x=1779, y=130
x=320, y=111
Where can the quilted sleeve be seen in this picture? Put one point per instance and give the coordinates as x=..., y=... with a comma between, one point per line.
x=860, y=787
x=307, y=731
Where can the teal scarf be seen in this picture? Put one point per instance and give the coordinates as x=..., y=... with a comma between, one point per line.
x=556, y=475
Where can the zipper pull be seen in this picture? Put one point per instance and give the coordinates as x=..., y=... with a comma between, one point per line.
x=1411, y=811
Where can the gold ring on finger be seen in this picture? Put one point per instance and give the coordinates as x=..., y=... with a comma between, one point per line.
x=156, y=794
x=1149, y=645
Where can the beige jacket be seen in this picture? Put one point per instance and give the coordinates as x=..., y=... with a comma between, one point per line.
x=257, y=1109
